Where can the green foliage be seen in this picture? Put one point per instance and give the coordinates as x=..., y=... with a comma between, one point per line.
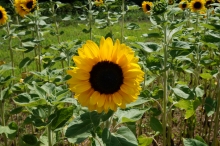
x=178, y=51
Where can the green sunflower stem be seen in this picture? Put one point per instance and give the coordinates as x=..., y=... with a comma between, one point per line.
x=217, y=112
x=49, y=131
x=2, y=105
x=165, y=78
x=90, y=19
x=122, y=20
x=197, y=54
x=38, y=39
x=10, y=49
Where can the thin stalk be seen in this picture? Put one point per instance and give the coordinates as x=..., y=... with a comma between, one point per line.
x=10, y=49
x=38, y=39
x=2, y=105
x=90, y=19
x=165, y=77
x=217, y=112
x=49, y=131
x=57, y=31
x=122, y=20
x=197, y=54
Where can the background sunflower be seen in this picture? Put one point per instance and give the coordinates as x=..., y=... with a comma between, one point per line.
x=197, y=5
x=3, y=16
x=29, y=5
x=105, y=77
x=147, y=6
x=98, y=2
x=19, y=9
x=183, y=5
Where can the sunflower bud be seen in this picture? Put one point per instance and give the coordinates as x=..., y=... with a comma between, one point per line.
x=159, y=7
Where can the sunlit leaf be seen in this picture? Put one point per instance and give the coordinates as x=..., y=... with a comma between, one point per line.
x=62, y=116
x=123, y=137
x=193, y=142
x=129, y=115
x=144, y=140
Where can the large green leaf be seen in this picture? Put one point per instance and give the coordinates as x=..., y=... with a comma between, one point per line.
x=180, y=93
x=150, y=47
x=129, y=115
x=156, y=125
x=132, y=26
x=13, y=126
x=193, y=142
x=139, y=101
x=123, y=137
x=48, y=88
x=25, y=99
x=210, y=105
x=63, y=115
x=6, y=130
x=144, y=140
x=25, y=62
x=28, y=140
x=180, y=45
x=82, y=124
x=79, y=138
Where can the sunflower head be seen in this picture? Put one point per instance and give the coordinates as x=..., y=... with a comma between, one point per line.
x=98, y=2
x=159, y=7
x=170, y=2
x=208, y=3
x=105, y=76
x=183, y=4
x=147, y=6
x=197, y=5
x=3, y=16
x=23, y=7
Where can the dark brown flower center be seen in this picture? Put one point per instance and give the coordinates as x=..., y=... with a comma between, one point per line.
x=29, y=5
x=1, y=15
x=184, y=6
x=106, y=77
x=197, y=5
x=147, y=7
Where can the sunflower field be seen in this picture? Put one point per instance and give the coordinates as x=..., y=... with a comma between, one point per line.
x=110, y=74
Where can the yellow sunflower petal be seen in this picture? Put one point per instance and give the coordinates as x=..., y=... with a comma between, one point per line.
x=81, y=87
x=101, y=100
x=83, y=97
x=94, y=98
x=3, y=16
x=117, y=98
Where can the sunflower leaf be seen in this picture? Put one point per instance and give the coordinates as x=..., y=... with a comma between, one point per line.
x=82, y=124
x=122, y=137
x=193, y=142
x=129, y=115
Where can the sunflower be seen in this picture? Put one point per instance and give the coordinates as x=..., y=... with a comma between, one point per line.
x=23, y=7
x=105, y=77
x=197, y=5
x=183, y=4
x=208, y=3
x=98, y=2
x=147, y=6
x=170, y=2
x=29, y=5
x=3, y=16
